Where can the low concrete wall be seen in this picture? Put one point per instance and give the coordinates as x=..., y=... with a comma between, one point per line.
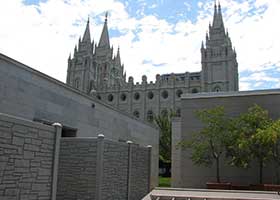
x=30, y=94
x=190, y=175
x=27, y=159
x=94, y=168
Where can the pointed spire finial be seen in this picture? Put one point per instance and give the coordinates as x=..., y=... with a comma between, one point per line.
x=104, y=39
x=86, y=36
x=106, y=16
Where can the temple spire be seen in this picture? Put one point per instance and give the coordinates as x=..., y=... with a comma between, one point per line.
x=118, y=57
x=218, y=18
x=86, y=36
x=104, y=39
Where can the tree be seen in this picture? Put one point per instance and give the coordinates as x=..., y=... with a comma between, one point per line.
x=272, y=136
x=249, y=140
x=209, y=144
x=164, y=123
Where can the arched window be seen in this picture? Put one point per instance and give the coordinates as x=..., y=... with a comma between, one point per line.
x=110, y=97
x=136, y=96
x=164, y=94
x=217, y=89
x=179, y=93
x=123, y=96
x=150, y=116
x=77, y=83
x=91, y=85
x=150, y=95
x=136, y=114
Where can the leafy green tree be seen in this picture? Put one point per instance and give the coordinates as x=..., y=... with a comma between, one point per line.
x=249, y=140
x=164, y=123
x=209, y=144
x=272, y=136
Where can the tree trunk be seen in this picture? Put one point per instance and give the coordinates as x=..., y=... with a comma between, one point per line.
x=261, y=171
x=218, y=170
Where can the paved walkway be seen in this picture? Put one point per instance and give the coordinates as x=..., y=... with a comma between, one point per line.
x=206, y=194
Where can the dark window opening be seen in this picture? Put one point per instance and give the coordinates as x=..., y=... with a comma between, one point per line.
x=136, y=96
x=123, y=97
x=179, y=93
x=136, y=114
x=194, y=90
x=66, y=130
x=164, y=94
x=150, y=95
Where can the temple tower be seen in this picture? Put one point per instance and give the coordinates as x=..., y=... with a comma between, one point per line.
x=218, y=58
x=80, y=74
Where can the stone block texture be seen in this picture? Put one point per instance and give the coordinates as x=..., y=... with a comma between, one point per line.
x=121, y=176
x=115, y=171
x=139, y=172
x=26, y=159
x=77, y=169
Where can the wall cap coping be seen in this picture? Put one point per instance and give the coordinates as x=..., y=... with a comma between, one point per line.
x=25, y=122
x=231, y=94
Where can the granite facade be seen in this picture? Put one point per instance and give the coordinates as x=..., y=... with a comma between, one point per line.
x=26, y=159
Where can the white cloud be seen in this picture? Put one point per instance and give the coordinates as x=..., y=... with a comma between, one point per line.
x=42, y=36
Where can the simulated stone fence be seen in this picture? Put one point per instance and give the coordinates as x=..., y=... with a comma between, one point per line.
x=97, y=169
x=28, y=159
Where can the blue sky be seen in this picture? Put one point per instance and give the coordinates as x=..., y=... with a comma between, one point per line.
x=155, y=36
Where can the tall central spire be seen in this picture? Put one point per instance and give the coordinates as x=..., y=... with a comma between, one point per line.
x=218, y=18
x=104, y=39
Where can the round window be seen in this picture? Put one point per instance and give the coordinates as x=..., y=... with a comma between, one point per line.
x=136, y=96
x=164, y=94
x=110, y=97
x=123, y=97
x=150, y=95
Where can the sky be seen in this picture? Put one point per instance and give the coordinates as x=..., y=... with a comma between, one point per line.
x=154, y=36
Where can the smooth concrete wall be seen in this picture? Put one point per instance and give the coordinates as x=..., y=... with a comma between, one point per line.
x=26, y=159
x=28, y=93
x=235, y=103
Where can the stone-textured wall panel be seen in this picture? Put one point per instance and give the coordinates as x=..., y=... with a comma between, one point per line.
x=77, y=169
x=115, y=171
x=26, y=159
x=139, y=184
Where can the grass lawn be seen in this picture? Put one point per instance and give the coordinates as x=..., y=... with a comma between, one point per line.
x=164, y=181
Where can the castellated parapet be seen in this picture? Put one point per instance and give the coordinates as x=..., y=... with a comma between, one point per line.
x=96, y=71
